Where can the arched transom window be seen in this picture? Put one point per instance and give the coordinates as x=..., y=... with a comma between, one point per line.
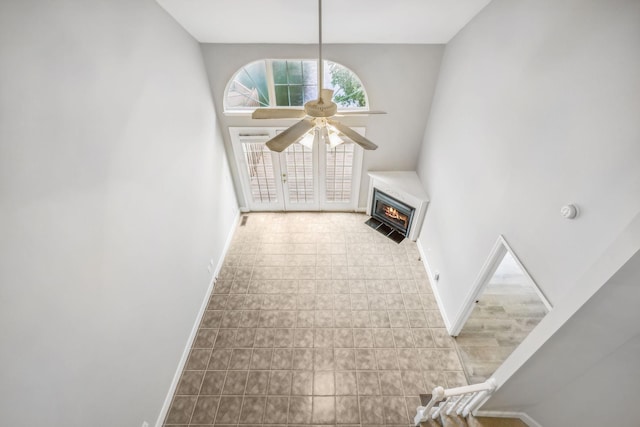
x=291, y=83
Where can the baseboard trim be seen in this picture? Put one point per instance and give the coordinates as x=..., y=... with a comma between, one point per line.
x=192, y=336
x=447, y=322
x=522, y=416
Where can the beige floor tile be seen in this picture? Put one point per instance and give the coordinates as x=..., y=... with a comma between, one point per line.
x=395, y=410
x=219, y=359
x=302, y=383
x=190, y=383
x=365, y=359
x=345, y=383
x=300, y=410
x=280, y=383
x=347, y=411
x=318, y=319
x=391, y=383
x=213, y=382
x=235, y=382
x=345, y=358
x=324, y=383
x=368, y=383
x=252, y=409
x=371, y=412
x=240, y=358
x=303, y=358
x=276, y=410
x=205, y=410
x=282, y=358
x=181, y=409
x=257, y=382
x=324, y=409
x=229, y=410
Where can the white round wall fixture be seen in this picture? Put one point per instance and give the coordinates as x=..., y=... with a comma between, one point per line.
x=569, y=211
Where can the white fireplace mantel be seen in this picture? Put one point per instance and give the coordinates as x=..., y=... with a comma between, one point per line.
x=406, y=187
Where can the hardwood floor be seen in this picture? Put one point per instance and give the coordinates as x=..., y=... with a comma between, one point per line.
x=506, y=312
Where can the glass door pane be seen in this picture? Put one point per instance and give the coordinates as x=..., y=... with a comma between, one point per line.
x=299, y=178
x=260, y=170
x=339, y=170
x=341, y=181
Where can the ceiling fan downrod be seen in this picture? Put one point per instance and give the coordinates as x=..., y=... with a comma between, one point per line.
x=320, y=62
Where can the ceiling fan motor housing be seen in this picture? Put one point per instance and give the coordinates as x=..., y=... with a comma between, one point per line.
x=317, y=108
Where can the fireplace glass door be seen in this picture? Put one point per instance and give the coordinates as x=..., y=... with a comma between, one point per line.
x=392, y=212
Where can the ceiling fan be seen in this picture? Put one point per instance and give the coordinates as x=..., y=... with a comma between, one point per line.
x=316, y=123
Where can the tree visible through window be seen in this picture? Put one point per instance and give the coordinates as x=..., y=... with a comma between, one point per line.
x=284, y=83
x=348, y=90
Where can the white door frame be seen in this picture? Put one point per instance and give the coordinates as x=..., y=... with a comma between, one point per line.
x=499, y=250
x=258, y=135
x=263, y=134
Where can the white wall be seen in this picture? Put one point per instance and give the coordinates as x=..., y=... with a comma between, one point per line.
x=590, y=362
x=537, y=105
x=114, y=195
x=399, y=79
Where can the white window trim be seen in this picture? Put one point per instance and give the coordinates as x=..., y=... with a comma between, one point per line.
x=246, y=112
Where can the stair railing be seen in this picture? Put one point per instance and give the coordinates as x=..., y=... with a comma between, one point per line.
x=460, y=400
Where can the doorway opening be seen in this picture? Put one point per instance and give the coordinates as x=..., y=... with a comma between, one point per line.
x=505, y=308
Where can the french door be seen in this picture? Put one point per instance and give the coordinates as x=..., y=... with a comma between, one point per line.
x=299, y=178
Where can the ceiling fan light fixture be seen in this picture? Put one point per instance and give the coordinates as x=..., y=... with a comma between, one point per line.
x=334, y=140
x=309, y=139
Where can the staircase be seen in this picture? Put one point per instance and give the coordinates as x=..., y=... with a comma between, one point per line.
x=471, y=421
x=454, y=408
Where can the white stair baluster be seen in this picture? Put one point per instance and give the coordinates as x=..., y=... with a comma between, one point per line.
x=459, y=400
x=425, y=412
x=469, y=408
x=454, y=404
x=464, y=403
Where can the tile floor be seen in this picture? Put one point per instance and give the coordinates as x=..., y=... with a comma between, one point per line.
x=315, y=319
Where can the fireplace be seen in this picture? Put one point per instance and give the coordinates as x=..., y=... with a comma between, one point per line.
x=391, y=212
x=403, y=191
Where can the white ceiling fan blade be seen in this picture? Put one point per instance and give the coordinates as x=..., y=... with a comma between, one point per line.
x=290, y=136
x=278, y=113
x=353, y=135
x=360, y=113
